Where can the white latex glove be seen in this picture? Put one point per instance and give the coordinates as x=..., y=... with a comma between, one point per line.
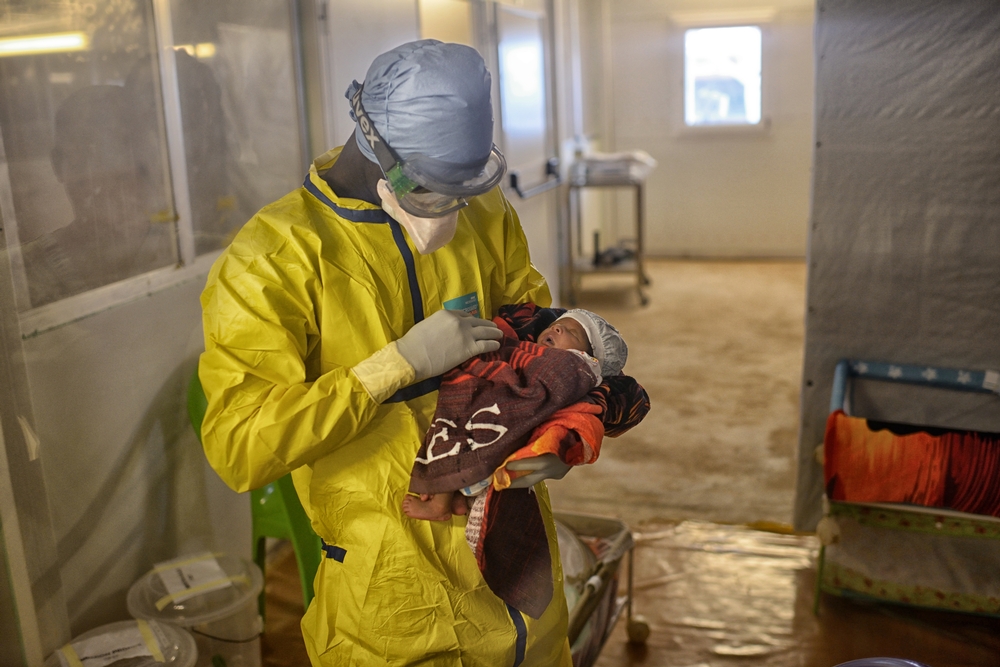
x=545, y=466
x=446, y=339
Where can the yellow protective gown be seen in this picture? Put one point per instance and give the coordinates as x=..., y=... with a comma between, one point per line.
x=310, y=288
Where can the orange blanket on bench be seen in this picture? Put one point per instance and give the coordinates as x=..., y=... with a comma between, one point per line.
x=868, y=461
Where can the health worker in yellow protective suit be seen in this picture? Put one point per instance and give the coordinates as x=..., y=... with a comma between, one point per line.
x=328, y=323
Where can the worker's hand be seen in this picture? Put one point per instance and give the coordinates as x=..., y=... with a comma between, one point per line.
x=446, y=339
x=545, y=466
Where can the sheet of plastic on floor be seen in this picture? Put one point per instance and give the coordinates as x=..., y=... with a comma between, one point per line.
x=726, y=596
x=717, y=592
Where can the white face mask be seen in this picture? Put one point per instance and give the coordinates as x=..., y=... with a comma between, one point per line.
x=427, y=234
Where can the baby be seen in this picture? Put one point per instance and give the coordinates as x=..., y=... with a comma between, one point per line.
x=597, y=342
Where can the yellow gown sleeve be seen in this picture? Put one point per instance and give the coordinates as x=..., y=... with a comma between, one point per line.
x=523, y=281
x=266, y=416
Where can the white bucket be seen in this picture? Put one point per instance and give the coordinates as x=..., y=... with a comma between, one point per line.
x=137, y=643
x=212, y=595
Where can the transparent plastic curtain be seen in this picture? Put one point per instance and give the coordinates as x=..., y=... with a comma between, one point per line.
x=91, y=231
x=85, y=139
x=90, y=195
x=237, y=83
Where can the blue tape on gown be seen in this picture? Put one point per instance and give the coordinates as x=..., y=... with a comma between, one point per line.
x=522, y=634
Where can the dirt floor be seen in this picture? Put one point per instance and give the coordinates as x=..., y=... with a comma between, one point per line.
x=719, y=350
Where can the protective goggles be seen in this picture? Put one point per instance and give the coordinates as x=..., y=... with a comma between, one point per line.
x=412, y=180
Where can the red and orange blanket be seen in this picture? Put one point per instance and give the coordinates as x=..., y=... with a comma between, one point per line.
x=521, y=401
x=869, y=461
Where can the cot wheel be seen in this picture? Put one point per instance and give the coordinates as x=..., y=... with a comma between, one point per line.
x=637, y=629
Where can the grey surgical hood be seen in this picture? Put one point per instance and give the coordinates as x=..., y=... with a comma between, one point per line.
x=431, y=98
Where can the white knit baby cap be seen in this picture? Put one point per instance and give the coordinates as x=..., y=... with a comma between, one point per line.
x=609, y=346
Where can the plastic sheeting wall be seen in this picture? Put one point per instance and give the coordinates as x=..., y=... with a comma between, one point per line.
x=904, y=256
x=123, y=470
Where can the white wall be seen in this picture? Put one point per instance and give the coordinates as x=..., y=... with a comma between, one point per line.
x=718, y=193
x=354, y=34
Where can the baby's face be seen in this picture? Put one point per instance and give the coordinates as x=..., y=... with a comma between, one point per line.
x=566, y=334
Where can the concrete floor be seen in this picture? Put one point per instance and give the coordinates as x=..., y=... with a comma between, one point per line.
x=719, y=350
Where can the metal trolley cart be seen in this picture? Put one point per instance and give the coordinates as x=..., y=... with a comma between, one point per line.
x=607, y=171
x=592, y=549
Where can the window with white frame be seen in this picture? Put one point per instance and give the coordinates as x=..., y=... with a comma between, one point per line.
x=137, y=137
x=722, y=76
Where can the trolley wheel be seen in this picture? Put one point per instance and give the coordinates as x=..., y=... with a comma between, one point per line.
x=637, y=629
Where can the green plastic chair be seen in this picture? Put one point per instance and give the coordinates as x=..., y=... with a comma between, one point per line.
x=275, y=511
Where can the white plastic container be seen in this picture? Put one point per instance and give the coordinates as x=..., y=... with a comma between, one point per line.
x=212, y=595
x=128, y=643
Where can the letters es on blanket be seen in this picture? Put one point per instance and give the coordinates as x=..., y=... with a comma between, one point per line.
x=518, y=402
